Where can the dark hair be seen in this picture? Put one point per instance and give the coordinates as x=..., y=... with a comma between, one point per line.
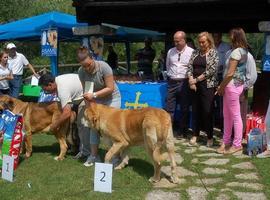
x=82, y=53
x=45, y=79
x=238, y=38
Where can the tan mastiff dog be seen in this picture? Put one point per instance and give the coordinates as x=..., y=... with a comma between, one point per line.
x=149, y=126
x=37, y=118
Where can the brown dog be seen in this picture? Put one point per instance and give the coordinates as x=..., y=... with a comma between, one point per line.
x=37, y=118
x=149, y=126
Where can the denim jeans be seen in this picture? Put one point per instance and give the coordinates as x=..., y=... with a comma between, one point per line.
x=15, y=86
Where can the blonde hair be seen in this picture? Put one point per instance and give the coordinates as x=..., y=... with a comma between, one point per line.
x=209, y=38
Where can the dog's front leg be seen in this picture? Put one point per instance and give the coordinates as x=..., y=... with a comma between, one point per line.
x=28, y=145
x=63, y=148
x=124, y=160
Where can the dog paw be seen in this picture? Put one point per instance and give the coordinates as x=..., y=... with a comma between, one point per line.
x=57, y=158
x=175, y=179
x=118, y=167
x=154, y=180
x=27, y=155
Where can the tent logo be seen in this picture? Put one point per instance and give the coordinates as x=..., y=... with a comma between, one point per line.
x=136, y=104
x=266, y=65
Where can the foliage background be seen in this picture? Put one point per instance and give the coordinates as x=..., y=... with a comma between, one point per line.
x=16, y=9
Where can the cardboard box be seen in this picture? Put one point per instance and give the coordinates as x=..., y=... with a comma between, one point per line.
x=31, y=90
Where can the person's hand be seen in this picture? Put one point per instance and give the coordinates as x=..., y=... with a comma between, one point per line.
x=220, y=91
x=88, y=96
x=193, y=87
x=192, y=81
x=36, y=75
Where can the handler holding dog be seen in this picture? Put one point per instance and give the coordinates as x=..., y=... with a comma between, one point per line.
x=105, y=91
x=68, y=88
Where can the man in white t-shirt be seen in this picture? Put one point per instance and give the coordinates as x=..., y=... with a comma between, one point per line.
x=69, y=90
x=16, y=63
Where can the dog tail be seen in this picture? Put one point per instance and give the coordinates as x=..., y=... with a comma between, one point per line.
x=157, y=156
x=171, y=153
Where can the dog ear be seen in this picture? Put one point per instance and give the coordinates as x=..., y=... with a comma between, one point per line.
x=10, y=104
x=90, y=115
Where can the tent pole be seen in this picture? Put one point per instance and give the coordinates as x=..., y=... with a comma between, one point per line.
x=54, y=62
x=127, y=44
x=54, y=59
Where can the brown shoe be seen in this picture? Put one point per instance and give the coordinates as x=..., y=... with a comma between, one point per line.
x=210, y=143
x=223, y=148
x=233, y=150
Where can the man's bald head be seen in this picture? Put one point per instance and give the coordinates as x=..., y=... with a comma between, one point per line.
x=181, y=34
x=179, y=39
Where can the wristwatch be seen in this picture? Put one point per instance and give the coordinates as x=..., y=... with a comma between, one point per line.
x=94, y=95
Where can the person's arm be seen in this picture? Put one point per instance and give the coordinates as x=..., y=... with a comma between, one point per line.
x=211, y=70
x=66, y=113
x=107, y=90
x=33, y=70
x=191, y=80
x=228, y=77
x=10, y=76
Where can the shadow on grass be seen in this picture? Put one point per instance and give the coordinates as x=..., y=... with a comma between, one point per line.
x=142, y=167
x=53, y=149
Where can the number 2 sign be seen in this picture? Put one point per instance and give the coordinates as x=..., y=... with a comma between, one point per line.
x=103, y=177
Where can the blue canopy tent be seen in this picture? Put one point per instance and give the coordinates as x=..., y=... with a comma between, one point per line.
x=31, y=29
x=115, y=33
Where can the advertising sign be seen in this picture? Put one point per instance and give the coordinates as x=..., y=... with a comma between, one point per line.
x=49, y=42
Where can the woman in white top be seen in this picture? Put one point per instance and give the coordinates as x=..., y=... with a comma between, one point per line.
x=5, y=73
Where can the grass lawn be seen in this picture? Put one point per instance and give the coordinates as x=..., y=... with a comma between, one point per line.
x=69, y=179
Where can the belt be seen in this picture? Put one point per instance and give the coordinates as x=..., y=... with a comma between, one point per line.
x=16, y=75
x=176, y=80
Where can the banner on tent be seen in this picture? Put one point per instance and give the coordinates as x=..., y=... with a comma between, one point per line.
x=266, y=58
x=141, y=95
x=49, y=42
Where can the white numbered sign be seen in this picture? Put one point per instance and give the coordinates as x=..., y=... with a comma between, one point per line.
x=103, y=177
x=89, y=87
x=7, y=168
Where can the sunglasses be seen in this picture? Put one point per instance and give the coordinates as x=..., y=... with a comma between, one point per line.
x=179, y=56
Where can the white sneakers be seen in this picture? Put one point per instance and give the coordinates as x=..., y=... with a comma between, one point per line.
x=91, y=160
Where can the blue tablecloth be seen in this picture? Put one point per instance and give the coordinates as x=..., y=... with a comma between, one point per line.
x=138, y=95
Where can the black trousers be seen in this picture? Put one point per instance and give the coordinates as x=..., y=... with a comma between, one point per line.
x=202, y=109
x=179, y=93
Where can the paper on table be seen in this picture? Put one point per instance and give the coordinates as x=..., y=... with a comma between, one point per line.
x=89, y=87
x=34, y=80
